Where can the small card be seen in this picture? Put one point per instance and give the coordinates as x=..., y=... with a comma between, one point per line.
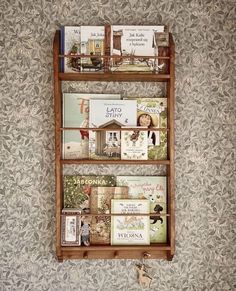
x=70, y=230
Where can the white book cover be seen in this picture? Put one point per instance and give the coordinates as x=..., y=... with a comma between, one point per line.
x=92, y=43
x=130, y=230
x=70, y=45
x=134, y=145
x=153, y=188
x=109, y=114
x=131, y=41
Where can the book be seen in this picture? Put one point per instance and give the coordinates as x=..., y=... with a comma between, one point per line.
x=100, y=201
x=130, y=230
x=70, y=230
x=129, y=41
x=77, y=190
x=109, y=114
x=152, y=113
x=134, y=145
x=152, y=188
x=75, y=143
x=100, y=230
x=92, y=43
x=70, y=45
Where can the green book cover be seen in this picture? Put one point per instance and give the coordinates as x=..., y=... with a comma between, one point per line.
x=77, y=190
x=152, y=188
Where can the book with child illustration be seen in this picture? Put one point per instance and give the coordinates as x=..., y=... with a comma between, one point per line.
x=152, y=113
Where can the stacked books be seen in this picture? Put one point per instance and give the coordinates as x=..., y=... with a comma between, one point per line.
x=107, y=114
x=131, y=48
x=101, y=210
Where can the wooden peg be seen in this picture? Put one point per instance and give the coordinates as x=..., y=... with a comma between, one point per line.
x=116, y=255
x=85, y=255
x=146, y=255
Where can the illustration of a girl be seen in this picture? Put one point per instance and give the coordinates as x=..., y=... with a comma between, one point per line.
x=146, y=120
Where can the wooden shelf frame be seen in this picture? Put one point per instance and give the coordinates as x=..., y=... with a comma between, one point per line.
x=153, y=251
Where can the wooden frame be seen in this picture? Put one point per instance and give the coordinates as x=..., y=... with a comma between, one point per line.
x=153, y=251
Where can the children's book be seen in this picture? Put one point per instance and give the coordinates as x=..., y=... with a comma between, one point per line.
x=100, y=230
x=92, y=43
x=109, y=115
x=129, y=41
x=130, y=230
x=70, y=230
x=152, y=113
x=134, y=145
x=75, y=143
x=152, y=188
x=70, y=45
x=77, y=190
x=100, y=201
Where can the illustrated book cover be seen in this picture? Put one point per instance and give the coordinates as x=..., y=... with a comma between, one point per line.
x=154, y=189
x=134, y=145
x=75, y=143
x=70, y=230
x=92, y=44
x=130, y=230
x=77, y=189
x=70, y=45
x=129, y=41
x=152, y=113
x=100, y=201
x=109, y=115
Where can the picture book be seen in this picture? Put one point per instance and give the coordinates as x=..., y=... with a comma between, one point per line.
x=92, y=44
x=100, y=230
x=109, y=115
x=75, y=143
x=130, y=41
x=70, y=45
x=77, y=190
x=130, y=230
x=134, y=145
x=100, y=201
x=70, y=230
x=152, y=113
x=85, y=232
x=152, y=188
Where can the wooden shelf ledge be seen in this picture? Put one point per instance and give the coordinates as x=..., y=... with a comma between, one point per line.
x=115, y=77
x=135, y=162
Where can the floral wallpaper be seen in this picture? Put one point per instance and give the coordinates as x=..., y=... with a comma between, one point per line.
x=205, y=121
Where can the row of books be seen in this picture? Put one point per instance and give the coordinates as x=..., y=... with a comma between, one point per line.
x=108, y=113
x=99, y=195
x=125, y=43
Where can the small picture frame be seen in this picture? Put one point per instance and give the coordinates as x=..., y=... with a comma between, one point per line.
x=70, y=230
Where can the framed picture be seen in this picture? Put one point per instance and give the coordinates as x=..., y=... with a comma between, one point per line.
x=70, y=230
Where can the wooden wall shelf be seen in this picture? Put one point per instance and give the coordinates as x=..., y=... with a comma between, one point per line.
x=153, y=251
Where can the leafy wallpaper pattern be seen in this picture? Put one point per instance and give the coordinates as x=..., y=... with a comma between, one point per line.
x=205, y=119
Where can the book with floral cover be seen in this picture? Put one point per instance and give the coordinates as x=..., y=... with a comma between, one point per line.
x=77, y=190
x=134, y=145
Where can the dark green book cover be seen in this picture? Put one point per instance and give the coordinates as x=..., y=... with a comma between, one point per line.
x=77, y=189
